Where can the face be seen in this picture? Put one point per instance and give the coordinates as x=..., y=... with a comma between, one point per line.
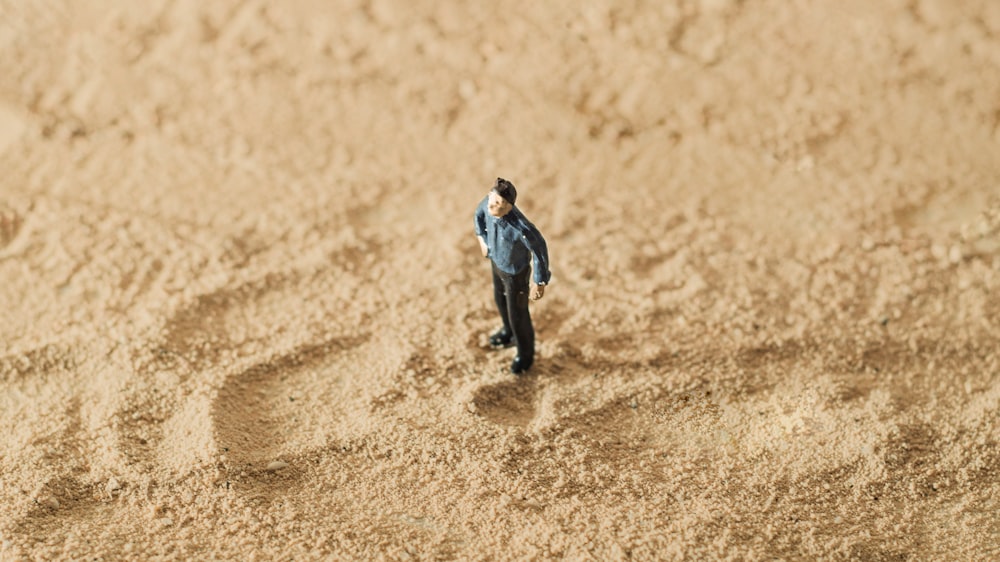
x=498, y=206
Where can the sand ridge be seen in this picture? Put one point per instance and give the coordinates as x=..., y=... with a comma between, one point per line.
x=243, y=315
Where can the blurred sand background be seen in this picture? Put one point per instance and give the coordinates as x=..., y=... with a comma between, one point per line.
x=243, y=314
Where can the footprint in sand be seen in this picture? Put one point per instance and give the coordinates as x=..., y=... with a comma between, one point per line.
x=511, y=403
x=232, y=376
x=558, y=389
x=292, y=403
x=223, y=318
x=48, y=443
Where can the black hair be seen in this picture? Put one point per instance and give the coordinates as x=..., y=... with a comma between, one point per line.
x=506, y=190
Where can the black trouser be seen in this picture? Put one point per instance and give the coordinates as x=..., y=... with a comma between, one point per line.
x=511, y=294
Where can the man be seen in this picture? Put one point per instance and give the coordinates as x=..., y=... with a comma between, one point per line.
x=509, y=240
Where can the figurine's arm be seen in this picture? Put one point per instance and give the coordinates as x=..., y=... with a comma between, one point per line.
x=480, y=228
x=540, y=257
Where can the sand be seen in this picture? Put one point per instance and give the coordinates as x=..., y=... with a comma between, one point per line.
x=243, y=315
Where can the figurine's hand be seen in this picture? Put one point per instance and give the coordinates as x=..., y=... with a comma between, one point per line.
x=537, y=292
x=483, y=247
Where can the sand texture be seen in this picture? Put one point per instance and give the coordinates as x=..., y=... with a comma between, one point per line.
x=243, y=315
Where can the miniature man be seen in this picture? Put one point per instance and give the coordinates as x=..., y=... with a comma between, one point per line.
x=509, y=240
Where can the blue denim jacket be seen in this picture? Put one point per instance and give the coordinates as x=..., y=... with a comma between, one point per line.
x=511, y=241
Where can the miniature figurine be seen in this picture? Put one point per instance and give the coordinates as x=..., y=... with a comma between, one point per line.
x=509, y=240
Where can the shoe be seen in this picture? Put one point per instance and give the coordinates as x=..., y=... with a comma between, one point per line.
x=520, y=365
x=502, y=339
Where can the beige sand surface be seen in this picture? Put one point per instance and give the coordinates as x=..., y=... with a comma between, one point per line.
x=243, y=314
